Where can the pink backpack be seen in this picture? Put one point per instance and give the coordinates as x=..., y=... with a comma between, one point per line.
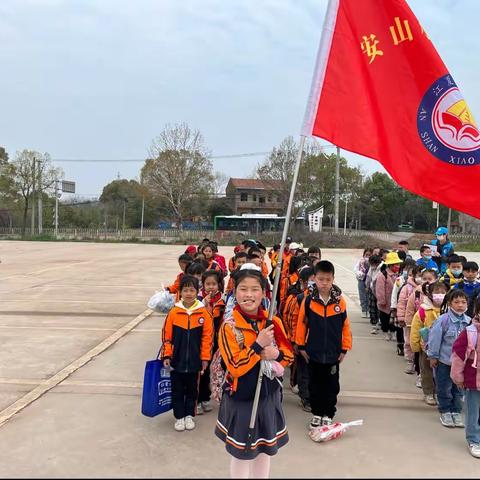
x=472, y=335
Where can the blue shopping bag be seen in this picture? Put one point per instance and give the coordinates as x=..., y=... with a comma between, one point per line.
x=157, y=389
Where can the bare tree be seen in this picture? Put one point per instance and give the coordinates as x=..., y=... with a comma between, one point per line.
x=23, y=176
x=179, y=168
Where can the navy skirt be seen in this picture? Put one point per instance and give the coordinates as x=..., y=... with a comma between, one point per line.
x=270, y=432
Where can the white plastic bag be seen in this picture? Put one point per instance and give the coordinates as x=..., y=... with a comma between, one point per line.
x=325, y=433
x=162, y=301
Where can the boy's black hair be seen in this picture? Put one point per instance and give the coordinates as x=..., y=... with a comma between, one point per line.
x=251, y=256
x=246, y=273
x=196, y=268
x=305, y=273
x=403, y=242
x=218, y=276
x=314, y=249
x=452, y=295
x=471, y=266
x=294, y=265
x=185, y=257
x=402, y=255
x=424, y=247
x=240, y=255
x=463, y=259
x=254, y=250
x=189, y=281
x=375, y=260
x=261, y=246
x=249, y=244
x=276, y=247
x=324, y=266
x=454, y=259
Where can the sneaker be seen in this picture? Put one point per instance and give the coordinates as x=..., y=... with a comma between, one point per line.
x=295, y=389
x=418, y=382
x=365, y=314
x=199, y=409
x=446, y=420
x=179, y=425
x=458, y=420
x=400, y=351
x=410, y=368
x=206, y=407
x=429, y=400
x=305, y=404
x=315, y=422
x=374, y=331
x=386, y=336
x=474, y=449
x=326, y=421
x=189, y=423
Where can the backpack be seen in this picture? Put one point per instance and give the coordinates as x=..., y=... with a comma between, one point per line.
x=218, y=372
x=424, y=331
x=472, y=335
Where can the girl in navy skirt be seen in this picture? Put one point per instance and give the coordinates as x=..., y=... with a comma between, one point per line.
x=246, y=345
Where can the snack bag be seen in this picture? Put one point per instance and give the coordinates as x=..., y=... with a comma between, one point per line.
x=325, y=433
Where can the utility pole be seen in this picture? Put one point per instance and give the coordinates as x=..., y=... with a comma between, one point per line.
x=124, y=208
x=337, y=189
x=32, y=225
x=449, y=223
x=345, y=220
x=143, y=215
x=56, y=208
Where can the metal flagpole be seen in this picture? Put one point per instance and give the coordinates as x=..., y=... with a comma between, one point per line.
x=337, y=190
x=143, y=214
x=278, y=271
x=56, y=208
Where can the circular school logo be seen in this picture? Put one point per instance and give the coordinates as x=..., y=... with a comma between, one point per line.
x=201, y=320
x=446, y=125
x=337, y=308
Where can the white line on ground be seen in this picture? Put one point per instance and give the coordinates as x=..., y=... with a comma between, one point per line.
x=59, y=377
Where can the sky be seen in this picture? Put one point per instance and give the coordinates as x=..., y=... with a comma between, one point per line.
x=89, y=79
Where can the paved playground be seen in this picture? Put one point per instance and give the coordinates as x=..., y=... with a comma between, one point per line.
x=75, y=334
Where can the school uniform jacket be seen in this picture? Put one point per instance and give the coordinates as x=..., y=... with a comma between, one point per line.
x=243, y=361
x=188, y=337
x=323, y=330
x=175, y=287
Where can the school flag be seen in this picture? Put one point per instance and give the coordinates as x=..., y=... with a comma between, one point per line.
x=381, y=90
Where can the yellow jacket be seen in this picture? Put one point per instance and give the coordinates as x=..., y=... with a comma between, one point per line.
x=431, y=314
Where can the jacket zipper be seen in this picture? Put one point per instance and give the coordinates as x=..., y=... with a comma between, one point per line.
x=188, y=343
x=325, y=335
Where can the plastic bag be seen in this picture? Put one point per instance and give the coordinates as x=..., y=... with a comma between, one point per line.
x=162, y=302
x=326, y=433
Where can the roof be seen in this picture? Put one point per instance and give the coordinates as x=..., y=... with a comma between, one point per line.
x=256, y=184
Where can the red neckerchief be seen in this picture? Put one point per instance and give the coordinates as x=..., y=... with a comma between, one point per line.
x=214, y=299
x=252, y=317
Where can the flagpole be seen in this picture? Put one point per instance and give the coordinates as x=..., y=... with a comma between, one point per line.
x=276, y=283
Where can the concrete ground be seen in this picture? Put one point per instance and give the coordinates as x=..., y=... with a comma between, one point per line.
x=75, y=335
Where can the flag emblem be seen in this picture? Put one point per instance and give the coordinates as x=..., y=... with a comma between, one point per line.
x=446, y=125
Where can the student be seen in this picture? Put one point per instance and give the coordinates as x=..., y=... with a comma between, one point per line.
x=184, y=261
x=273, y=255
x=425, y=261
x=212, y=290
x=409, y=287
x=263, y=251
x=220, y=259
x=383, y=291
x=469, y=284
x=426, y=316
x=239, y=259
x=323, y=338
x=440, y=342
x=375, y=263
x=187, y=347
x=454, y=271
x=464, y=373
x=361, y=270
x=314, y=252
x=243, y=363
x=196, y=269
x=208, y=252
x=403, y=247
x=444, y=249
x=296, y=294
x=291, y=279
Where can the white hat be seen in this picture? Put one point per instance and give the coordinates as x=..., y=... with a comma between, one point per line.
x=250, y=266
x=295, y=246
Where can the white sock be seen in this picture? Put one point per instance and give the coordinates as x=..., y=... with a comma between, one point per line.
x=260, y=466
x=239, y=468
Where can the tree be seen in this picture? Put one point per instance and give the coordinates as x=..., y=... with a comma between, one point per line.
x=23, y=177
x=179, y=168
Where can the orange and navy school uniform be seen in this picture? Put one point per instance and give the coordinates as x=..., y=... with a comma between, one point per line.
x=285, y=284
x=216, y=308
x=231, y=264
x=243, y=362
x=213, y=265
x=290, y=314
x=323, y=330
x=264, y=269
x=187, y=337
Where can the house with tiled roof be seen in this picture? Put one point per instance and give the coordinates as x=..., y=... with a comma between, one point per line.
x=251, y=195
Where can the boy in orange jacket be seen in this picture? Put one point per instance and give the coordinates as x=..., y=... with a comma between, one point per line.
x=187, y=348
x=323, y=338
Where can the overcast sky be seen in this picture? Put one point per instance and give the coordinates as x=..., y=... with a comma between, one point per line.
x=90, y=79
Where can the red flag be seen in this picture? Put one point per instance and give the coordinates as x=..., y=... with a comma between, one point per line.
x=381, y=90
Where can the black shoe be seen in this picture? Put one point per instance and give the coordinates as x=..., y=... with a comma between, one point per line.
x=400, y=351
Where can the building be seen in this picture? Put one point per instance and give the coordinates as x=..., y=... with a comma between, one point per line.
x=251, y=195
x=469, y=225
